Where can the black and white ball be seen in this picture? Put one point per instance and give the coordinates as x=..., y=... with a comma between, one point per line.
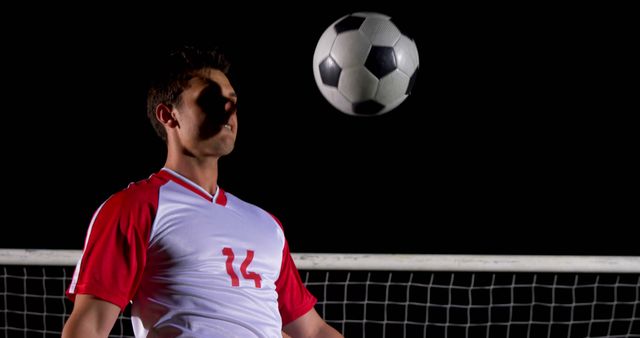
x=364, y=65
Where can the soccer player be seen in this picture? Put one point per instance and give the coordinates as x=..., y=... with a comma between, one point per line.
x=193, y=259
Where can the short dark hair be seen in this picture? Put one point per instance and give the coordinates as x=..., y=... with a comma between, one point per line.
x=171, y=75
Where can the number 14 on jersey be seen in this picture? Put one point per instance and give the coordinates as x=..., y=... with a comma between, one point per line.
x=243, y=268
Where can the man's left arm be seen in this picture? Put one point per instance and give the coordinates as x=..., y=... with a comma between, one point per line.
x=311, y=325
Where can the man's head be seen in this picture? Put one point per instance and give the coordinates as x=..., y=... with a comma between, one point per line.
x=172, y=75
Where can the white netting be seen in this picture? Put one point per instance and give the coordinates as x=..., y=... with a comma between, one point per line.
x=34, y=302
x=480, y=304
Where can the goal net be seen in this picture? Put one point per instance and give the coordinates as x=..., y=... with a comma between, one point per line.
x=386, y=295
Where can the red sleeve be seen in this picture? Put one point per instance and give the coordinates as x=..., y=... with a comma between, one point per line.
x=294, y=300
x=114, y=255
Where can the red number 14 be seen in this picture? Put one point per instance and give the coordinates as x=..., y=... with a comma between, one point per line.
x=243, y=268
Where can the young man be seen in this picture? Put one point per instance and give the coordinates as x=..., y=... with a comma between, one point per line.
x=194, y=260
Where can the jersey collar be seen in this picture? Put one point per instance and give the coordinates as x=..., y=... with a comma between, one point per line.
x=219, y=197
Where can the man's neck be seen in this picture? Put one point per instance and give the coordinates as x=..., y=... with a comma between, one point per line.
x=204, y=173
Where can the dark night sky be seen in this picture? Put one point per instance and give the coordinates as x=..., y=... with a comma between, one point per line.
x=508, y=143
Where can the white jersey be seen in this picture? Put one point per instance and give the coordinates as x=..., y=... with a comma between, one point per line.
x=192, y=264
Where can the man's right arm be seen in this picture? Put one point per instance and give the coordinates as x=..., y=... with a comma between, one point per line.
x=91, y=318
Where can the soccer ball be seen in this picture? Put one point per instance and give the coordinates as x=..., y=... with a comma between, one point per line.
x=363, y=65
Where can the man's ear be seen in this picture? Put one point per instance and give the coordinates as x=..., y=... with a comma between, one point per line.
x=164, y=115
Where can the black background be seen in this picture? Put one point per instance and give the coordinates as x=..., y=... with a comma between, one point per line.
x=511, y=142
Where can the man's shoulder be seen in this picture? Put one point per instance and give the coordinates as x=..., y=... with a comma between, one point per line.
x=249, y=208
x=237, y=202
x=145, y=190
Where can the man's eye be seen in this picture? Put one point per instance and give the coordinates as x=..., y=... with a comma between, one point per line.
x=211, y=99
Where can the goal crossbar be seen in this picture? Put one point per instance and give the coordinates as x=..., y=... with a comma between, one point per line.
x=392, y=262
